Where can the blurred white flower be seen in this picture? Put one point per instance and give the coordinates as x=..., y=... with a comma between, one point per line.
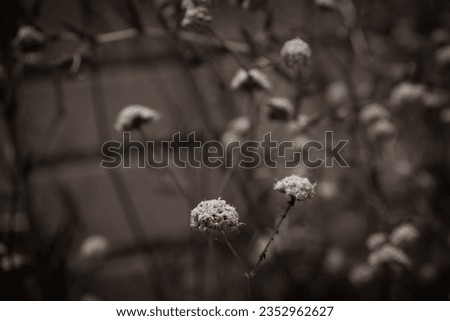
x=373, y=112
x=240, y=125
x=404, y=234
x=389, y=254
x=334, y=260
x=133, y=116
x=296, y=54
x=196, y=16
x=280, y=108
x=361, y=274
x=328, y=190
x=376, y=240
x=214, y=216
x=295, y=187
x=29, y=38
x=382, y=128
x=407, y=94
x=336, y=93
x=93, y=247
x=11, y=262
x=326, y=4
x=252, y=79
x=229, y=137
x=445, y=115
x=428, y=272
x=442, y=56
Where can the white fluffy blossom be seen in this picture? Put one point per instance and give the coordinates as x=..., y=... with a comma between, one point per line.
x=404, y=234
x=361, y=274
x=196, y=16
x=252, y=79
x=296, y=187
x=389, y=254
x=296, y=53
x=442, y=56
x=132, y=117
x=215, y=216
x=94, y=247
x=376, y=240
x=373, y=112
x=280, y=108
x=382, y=128
x=407, y=94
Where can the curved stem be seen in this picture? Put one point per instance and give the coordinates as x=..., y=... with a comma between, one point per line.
x=263, y=254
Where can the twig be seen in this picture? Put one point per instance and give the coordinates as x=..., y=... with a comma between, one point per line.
x=263, y=254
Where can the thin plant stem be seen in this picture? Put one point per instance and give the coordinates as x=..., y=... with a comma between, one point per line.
x=263, y=254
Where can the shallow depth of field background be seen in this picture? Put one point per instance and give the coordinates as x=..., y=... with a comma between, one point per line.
x=64, y=197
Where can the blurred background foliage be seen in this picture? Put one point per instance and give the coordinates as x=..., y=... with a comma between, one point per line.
x=63, y=220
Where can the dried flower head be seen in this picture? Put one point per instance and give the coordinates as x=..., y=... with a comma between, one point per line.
x=296, y=187
x=94, y=247
x=389, y=254
x=29, y=38
x=296, y=54
x=373, y=112
x=361, y=274
x=280, y=108
x=442, y=56
x=133, y=116
x=404, y=234
x=376, y=240
x=380, y=129
x=214, y=216
x=196, y=16
x=252, y=79
x=407, y=94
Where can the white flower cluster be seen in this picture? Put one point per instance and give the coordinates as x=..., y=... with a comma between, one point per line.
x=196, y=13
x=389, y=254
x=252, y=79
x=280, y=108
x=296, y=187
x=132, y=117
x=214, y=216
x=296, y=54
x=407, y=94
x=94, y=247
x=373, y=112
x=404, y=235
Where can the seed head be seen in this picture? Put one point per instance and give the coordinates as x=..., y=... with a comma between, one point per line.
x=252, y=79
x=134, y=116
x=280, y=108
x=296, y=187
x=214, y=216
x=296, y=54
x=404, y=234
